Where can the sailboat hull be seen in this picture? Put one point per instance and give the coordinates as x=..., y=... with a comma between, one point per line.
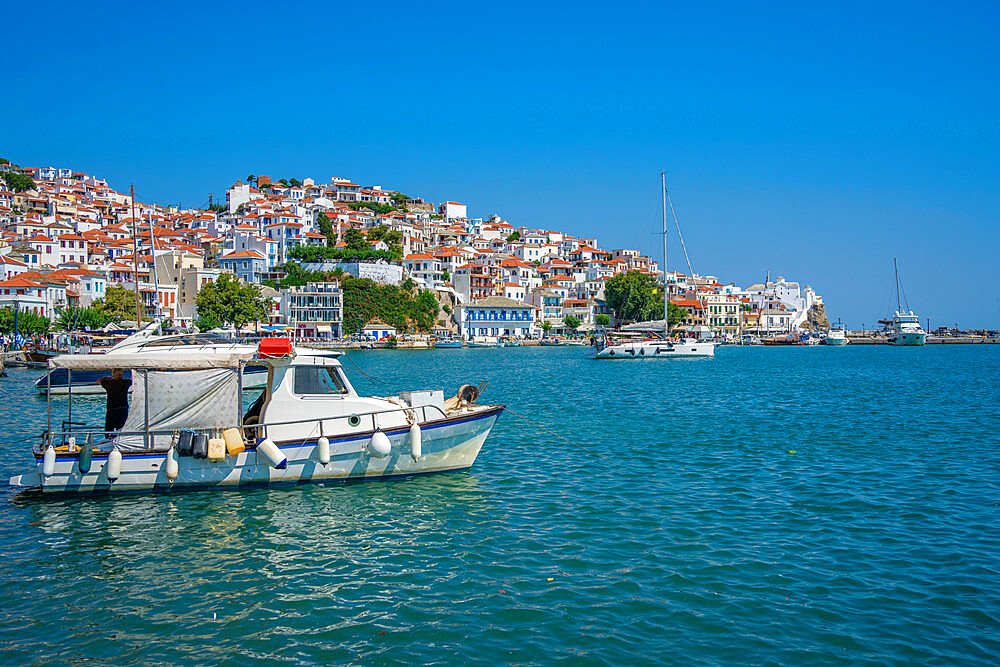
x=651, y=349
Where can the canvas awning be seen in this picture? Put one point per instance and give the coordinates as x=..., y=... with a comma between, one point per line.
x=323, y=328
x=165, y=360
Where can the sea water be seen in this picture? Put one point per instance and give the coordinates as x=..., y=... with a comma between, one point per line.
x=796, y=506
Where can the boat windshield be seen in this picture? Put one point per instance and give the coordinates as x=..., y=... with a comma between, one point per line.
x=318, y=381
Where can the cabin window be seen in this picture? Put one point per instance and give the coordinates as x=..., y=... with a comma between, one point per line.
x=318, y=380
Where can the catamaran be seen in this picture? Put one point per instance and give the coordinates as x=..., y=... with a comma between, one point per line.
x=187, y=427
x=657, y=344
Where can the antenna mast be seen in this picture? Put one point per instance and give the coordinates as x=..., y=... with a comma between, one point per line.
x=666, y=290
x=899, y=305
x=135, y=258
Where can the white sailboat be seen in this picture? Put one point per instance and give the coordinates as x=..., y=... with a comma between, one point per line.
x=662, y=346
x=904, y=329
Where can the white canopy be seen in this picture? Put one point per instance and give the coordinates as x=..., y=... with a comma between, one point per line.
x=198, y=400
x=165, y=359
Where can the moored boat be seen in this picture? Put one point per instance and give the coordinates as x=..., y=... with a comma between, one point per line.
x=657, y=344
x=186, y=427
x=836, y=336
x=904, y=328
x=616, y=346
x=485, y=341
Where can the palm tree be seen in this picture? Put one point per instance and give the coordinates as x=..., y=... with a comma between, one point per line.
x=252, y=179
x=546, y=327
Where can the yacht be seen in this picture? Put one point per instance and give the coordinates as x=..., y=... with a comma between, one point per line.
x=657, y=344
x=904, y=328
x=836, y=335
x=187, y=427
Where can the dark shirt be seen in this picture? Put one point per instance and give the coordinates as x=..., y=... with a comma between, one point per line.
x=117, y=393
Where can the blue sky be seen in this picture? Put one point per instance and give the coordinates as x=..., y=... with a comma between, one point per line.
x=812, y=141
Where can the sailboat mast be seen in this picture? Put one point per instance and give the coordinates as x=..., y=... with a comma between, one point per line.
x=895, y=267
x=666, y=291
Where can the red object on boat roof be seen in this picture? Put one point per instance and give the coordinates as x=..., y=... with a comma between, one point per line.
x=275, y=347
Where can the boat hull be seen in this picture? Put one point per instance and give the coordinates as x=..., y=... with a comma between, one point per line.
x=908, y=339
x=836, y=342
x=448, y=444
x=656, y=350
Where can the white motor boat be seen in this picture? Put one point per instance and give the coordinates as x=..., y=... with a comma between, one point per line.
x=836, y=335
x=904, y=328
x=186, y=427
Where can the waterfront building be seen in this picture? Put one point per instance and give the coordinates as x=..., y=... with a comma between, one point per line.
x=378, y=331
x=314, y=310
x=496, y=316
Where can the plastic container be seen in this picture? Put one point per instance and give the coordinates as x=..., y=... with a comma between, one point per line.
x=185, y=443
x=199, y=447
x=234, y=441
x=216, y=450
x=275, y=347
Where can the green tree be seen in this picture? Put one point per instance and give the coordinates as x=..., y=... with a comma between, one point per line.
x=251, y=179
x=446, y=308
x=674, y=314
x=326, y=229
x=602, y=320
x=283, y=181
x=355, y=240
x=445, y=276
x=634, y=296
x=230, y=301
x=546, y=327
x=91, y=318
x=28, y=324
x=572, y=321
x=399, y=198
x=294, y=182
x=118, y=304
x=513, y=236
x=17, y=182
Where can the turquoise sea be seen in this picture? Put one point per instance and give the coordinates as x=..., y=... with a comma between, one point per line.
x=769, y=506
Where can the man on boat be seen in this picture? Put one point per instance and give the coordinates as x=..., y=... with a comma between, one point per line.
x=117, y=388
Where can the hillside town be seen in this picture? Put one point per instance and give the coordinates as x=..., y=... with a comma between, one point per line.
x=68, y=237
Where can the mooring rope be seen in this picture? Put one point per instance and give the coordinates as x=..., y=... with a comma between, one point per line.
x=482, y=387
x=537, y=425
x=362, y=372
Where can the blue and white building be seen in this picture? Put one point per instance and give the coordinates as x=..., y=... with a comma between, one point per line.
x=496, y=316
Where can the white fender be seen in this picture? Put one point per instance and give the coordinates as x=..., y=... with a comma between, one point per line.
x=49, y=462
x=171, y=466
x=273, y=455
x=416, y=442
x=114, y=467
x=379, y=445
x=323, y=450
